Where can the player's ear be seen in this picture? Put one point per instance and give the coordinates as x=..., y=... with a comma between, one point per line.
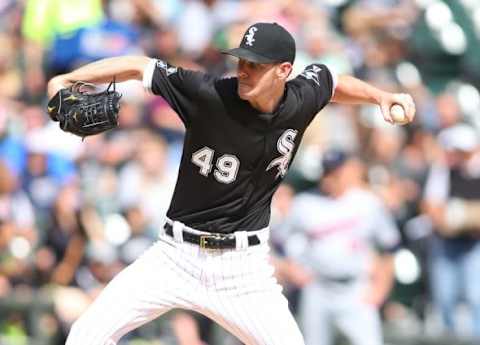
x=284, y=69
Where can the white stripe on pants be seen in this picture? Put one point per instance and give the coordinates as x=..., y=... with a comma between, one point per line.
x=235, y=288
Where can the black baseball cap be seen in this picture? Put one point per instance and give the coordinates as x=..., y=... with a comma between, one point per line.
x=265, y=43
x=333, y=159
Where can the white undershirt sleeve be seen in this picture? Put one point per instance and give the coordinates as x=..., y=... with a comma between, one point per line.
x=148, y=75
x=334, y=80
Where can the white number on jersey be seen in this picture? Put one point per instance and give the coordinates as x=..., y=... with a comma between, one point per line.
x=227, y=168
x=227, y=165
x=203, y=158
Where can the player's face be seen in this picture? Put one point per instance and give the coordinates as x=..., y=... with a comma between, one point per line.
x=350, y=173
x=457, y=158
x=256, y=80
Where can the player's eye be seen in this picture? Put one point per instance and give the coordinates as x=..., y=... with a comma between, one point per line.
x=255, y=66
x=252, y=65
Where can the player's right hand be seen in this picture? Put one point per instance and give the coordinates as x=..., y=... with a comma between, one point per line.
x=402, y=99
x=298, y=275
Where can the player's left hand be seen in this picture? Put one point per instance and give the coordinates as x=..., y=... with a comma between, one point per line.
x=85, y=113
x=402, y=99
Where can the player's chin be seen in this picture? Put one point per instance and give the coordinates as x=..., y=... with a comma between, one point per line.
x=243, y=96
x=244, y=92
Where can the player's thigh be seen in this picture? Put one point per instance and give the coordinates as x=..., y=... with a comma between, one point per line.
x=360, y=323
x=257, y=318
x=138, y=294
x=314, y=316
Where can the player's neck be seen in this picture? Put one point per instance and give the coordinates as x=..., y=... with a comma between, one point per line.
x=268, y=102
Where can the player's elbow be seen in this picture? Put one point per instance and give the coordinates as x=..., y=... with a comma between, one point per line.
x=133, y=67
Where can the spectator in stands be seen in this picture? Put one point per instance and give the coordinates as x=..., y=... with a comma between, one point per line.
x=451, y=200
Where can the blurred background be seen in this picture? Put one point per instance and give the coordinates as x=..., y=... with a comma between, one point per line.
x=73, y=213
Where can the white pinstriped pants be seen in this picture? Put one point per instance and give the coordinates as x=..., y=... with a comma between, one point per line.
x=235, y=288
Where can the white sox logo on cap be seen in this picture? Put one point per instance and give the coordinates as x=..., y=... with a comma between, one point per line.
x=265, y=43
x=249, y=36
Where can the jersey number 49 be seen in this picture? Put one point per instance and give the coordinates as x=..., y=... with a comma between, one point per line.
x=226, y=167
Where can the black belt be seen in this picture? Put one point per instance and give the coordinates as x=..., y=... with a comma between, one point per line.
x=339, y=280
x=211, y=241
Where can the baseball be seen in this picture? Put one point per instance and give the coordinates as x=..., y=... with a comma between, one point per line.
x=398, y=114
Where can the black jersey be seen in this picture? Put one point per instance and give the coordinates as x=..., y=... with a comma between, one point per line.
x=234, y=156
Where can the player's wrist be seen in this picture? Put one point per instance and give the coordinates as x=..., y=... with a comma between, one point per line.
x=382, y=97
x=56, y=84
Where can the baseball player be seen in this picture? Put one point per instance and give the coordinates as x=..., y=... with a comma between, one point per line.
x=241, y=135
x=343, y=238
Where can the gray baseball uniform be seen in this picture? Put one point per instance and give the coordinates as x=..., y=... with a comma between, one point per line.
x=335, y=238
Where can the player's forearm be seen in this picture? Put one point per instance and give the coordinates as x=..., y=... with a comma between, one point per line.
x=382, y=278
x=351, y=90
x=102, y=71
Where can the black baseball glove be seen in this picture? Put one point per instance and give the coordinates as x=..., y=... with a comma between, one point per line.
x=84, y=113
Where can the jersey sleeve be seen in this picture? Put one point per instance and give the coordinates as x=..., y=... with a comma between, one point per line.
x=178, y=86
x=322, y=82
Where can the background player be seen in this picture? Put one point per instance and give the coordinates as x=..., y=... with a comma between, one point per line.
x=343, y=236
x=241, y=135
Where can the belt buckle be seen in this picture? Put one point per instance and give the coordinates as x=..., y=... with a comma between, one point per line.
x=205, y=238
x=203, y=241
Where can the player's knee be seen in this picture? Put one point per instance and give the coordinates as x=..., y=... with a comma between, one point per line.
x=83, y=334
x=72, y=338
x=76, y=336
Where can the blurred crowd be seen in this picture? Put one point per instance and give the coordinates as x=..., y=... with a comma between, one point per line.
x=73, y=213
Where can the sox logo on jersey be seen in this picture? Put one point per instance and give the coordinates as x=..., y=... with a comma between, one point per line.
x=285, y=145
x=312, y=74
x=168, y=69
x=249, y=36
